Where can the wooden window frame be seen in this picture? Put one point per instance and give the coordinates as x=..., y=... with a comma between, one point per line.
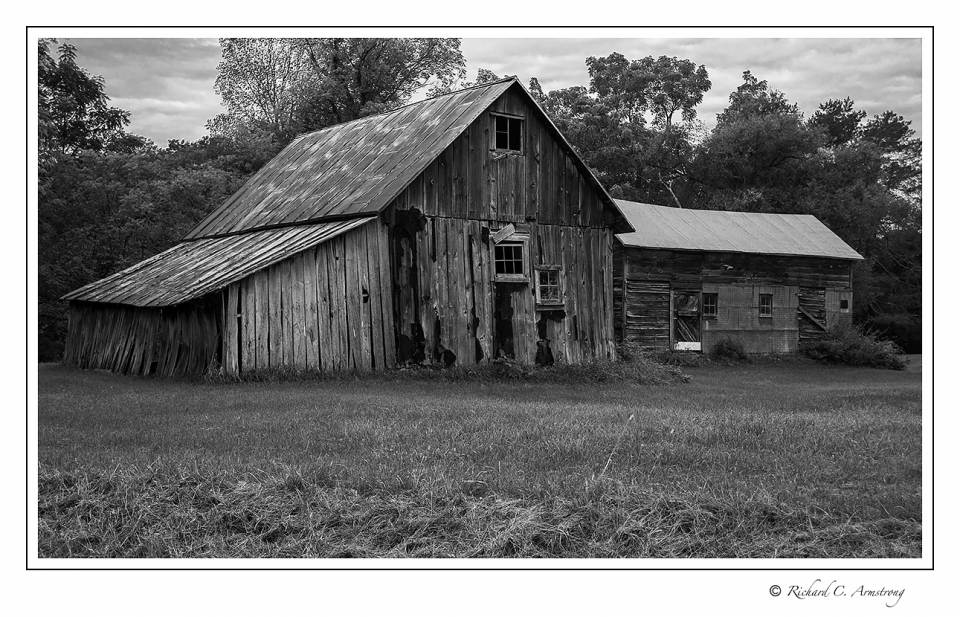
x=703, y=304
x=538, y=285
x=520, y=277
x=493, y=133
x=760, y=306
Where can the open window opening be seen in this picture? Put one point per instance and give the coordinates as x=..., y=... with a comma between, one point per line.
x=508, y=259
x=844, y=305
x=508, y=133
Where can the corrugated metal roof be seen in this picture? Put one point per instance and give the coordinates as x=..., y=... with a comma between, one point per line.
x=733, y=232
x=350, y=169
x=192, y=269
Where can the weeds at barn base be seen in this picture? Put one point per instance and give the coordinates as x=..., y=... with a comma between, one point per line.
x=642, y=370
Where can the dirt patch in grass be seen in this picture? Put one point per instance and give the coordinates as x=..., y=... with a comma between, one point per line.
x=173, y=512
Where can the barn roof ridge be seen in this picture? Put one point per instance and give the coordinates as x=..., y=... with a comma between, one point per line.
x=730, y=231
x=410, y=104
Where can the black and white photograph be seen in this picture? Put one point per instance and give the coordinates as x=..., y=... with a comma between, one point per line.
x=447, y=298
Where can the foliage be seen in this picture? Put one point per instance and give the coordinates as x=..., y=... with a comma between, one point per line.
x=728, y=349
x=290, y=86
x=74, y=113
x=725, y=465
x=855, y=346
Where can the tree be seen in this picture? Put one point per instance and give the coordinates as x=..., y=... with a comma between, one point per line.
x=283, y=87
x=902, y=151
x=74, y=112
x=352, y=78
x=755, y=98
x=262, y=83
x=839, y=121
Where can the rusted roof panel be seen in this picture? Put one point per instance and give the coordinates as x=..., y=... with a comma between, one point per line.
x=350, y=169
x=733, y=232
x=192, y=269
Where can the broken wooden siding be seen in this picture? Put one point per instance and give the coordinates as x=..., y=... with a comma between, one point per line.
x=445, y=302
x=647, y=277
x=446, y=295
x=328, y=308
x=167, y=341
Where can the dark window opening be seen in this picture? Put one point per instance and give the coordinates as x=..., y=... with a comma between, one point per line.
x=508, y=260
x=508, y=133
x=766, y=305
x=844, y=305
x=709, y=305
x=548, y=286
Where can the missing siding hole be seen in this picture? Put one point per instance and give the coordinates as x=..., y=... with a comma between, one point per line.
x=544, y=353
x=365, y=295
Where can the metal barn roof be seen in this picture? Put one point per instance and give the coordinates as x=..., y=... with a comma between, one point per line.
x=357, y=168
x=191, y=269
x=733, y=232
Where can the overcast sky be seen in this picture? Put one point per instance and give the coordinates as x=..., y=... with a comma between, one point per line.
x=167, y=84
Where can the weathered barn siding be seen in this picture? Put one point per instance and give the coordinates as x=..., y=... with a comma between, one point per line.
x=443, y=255
x=650, y=275
x=446, y=299
x=167, y=341
x=327, y=308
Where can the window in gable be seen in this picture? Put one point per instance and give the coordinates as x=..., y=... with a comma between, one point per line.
x=508, y=133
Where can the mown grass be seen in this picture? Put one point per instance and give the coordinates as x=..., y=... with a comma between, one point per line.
x=759, y=461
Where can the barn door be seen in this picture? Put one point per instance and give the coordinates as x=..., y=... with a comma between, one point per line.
x=686, y=320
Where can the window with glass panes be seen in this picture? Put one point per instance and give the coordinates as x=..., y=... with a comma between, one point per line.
x=709, y=305
x=548, y=286
x=766, y=305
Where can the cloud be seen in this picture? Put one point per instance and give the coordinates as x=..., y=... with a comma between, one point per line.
x=878, y=74
x=167, y=84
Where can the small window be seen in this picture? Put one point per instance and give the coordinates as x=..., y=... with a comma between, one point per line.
x=766, y=305
x=508, y=261
x=844, y=305
x=548, y=286
x=709, y=305
x=508, y=133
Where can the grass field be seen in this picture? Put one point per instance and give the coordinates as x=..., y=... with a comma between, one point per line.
x=775, y=460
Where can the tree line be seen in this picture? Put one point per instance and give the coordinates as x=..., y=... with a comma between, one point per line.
x=109, y=198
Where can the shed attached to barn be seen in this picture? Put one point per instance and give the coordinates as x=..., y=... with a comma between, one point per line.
x=452, y=230
x=685, y=279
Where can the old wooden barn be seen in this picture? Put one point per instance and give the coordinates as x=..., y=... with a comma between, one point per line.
x=685, y=279
x=452, y=230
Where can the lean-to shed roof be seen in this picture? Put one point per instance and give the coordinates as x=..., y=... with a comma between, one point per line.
x=664, y=227
x=192, y=269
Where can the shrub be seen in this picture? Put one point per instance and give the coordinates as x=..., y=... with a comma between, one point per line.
x=855, y=347
x=728, y=349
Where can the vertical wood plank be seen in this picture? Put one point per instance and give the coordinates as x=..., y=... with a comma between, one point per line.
x=262, y=319
x=308, y=273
